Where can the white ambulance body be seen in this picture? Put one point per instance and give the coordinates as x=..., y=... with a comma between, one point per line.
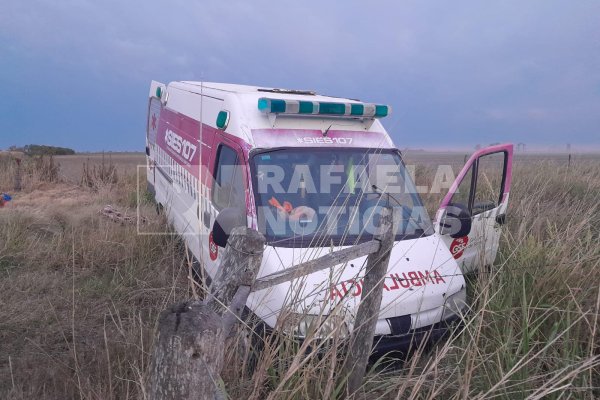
x=311, y=173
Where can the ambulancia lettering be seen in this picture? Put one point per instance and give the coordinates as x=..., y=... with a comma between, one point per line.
x=405, y=280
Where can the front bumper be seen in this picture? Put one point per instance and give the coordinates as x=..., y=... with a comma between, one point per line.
x=414, y=338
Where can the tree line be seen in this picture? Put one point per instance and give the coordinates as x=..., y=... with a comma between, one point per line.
x=43, y=150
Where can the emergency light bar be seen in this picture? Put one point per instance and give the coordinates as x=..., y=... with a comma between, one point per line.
x=303, y=107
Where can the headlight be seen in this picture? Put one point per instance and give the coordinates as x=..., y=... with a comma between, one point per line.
x=455, y=304
x=320, y=326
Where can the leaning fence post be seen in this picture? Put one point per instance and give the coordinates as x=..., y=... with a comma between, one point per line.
x=361, y=340
x=231, y=286
x=189, y=347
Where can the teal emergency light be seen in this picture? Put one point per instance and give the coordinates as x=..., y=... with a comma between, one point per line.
x=304, y=107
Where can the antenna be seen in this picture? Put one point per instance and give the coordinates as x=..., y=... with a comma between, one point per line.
x=200, y=183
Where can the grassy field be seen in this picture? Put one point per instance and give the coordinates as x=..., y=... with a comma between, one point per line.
x=81, y=294
x=125, y=163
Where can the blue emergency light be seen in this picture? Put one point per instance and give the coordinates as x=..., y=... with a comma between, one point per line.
x=304, y=107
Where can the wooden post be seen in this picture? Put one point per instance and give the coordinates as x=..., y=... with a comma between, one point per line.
x=18, y=175
x=189, y=347
x=361, y=340
x=188, y=353
x=239, y=267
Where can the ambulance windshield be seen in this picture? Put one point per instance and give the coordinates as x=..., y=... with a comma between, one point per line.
x=307, y=197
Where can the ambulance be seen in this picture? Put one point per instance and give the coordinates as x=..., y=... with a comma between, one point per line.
x=312, y=174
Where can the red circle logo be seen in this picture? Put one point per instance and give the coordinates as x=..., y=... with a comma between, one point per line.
x=458, y=246
x=213, y=249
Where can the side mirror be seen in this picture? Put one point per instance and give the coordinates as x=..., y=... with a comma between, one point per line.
x=456, y=222
x=227, y=219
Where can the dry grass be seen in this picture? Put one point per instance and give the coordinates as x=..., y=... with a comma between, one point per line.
x=80, y=293
x=26, y=173
x=124, y=163
x=81, y=296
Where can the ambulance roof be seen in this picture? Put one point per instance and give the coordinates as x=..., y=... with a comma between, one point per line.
x=241, y=101
x=259, y=91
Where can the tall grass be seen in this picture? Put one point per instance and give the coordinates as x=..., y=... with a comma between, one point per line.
x=100, y=175
x=26, y=173
x=81, y=296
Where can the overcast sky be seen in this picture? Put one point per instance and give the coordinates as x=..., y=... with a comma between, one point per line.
x=76, y=73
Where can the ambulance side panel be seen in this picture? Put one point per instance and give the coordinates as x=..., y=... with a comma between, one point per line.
x=186, y=157
x=182, y=158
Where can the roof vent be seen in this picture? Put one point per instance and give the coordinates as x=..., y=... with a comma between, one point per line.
x=289, y=91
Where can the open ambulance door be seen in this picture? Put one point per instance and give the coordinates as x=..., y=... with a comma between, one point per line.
x=472, y=213
x=155, y=104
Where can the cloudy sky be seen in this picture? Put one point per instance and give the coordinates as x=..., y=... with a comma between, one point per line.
x=76, y=73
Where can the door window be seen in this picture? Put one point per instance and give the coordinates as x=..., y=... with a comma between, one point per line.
x=463, y=192
x=229, y=188
x=488, y=188
x=486, y=192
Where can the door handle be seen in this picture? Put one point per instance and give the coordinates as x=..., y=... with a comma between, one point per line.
x=501, y=219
